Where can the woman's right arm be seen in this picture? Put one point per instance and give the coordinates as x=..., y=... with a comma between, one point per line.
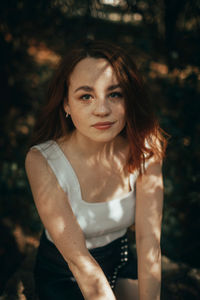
x=57, y=216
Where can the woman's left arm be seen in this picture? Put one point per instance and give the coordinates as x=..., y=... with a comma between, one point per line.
x=149, y=206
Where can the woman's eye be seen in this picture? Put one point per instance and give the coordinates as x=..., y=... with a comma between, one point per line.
x=86, y=97
x=116, y=95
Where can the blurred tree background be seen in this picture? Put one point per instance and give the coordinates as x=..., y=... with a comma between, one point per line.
x=164, y=39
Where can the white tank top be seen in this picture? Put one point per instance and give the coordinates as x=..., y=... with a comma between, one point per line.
x=101, y=222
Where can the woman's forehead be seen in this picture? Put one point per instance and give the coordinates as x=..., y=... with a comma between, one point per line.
x=91, y=70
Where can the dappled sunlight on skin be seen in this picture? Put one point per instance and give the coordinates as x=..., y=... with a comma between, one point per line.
x=154, y=212
x=50, y=215
x=58, y=218
x=150, y=251
x=153, y=254
x=96, y=79
x=103, y=70
x=60, y=228
x=109, y=182
x=107, y=188
x=107, y=153
x=91, y=270
x=46, y=203
x=151, y=270
x=152, y=215
x=91, y=216
x=149, y=204
x=152, y=187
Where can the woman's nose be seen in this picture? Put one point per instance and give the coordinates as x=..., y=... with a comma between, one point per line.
x=102, y=107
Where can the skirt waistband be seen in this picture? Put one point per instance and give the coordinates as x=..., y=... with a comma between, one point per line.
x=49, y=250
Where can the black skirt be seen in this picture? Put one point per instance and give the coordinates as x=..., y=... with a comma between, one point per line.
x=54, y=280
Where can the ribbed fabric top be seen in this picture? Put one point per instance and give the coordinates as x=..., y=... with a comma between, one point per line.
x=101, y=222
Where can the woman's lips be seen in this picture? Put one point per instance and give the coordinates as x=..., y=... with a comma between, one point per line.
x=103, y=125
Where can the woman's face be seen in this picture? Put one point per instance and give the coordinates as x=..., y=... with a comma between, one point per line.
x=95, y=100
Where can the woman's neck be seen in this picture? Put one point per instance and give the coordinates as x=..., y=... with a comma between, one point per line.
x=85, y=148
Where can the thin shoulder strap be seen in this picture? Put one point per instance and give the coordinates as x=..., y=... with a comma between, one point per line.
x=59, y=165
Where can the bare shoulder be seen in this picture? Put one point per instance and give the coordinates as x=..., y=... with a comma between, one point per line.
x=153, y=170
x=38, y=171
x=33, y=155
x=34, y=161
x=154, y=165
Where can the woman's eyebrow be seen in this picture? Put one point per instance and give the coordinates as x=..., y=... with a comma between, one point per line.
x=87, y=88
x=113, y=87
x=84, y=88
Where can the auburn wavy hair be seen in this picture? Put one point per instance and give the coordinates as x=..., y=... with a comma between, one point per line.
x=142, y=129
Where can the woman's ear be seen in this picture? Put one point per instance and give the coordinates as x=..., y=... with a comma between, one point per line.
x=66, y=106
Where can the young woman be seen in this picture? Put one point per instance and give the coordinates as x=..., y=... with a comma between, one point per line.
x=95, y=169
